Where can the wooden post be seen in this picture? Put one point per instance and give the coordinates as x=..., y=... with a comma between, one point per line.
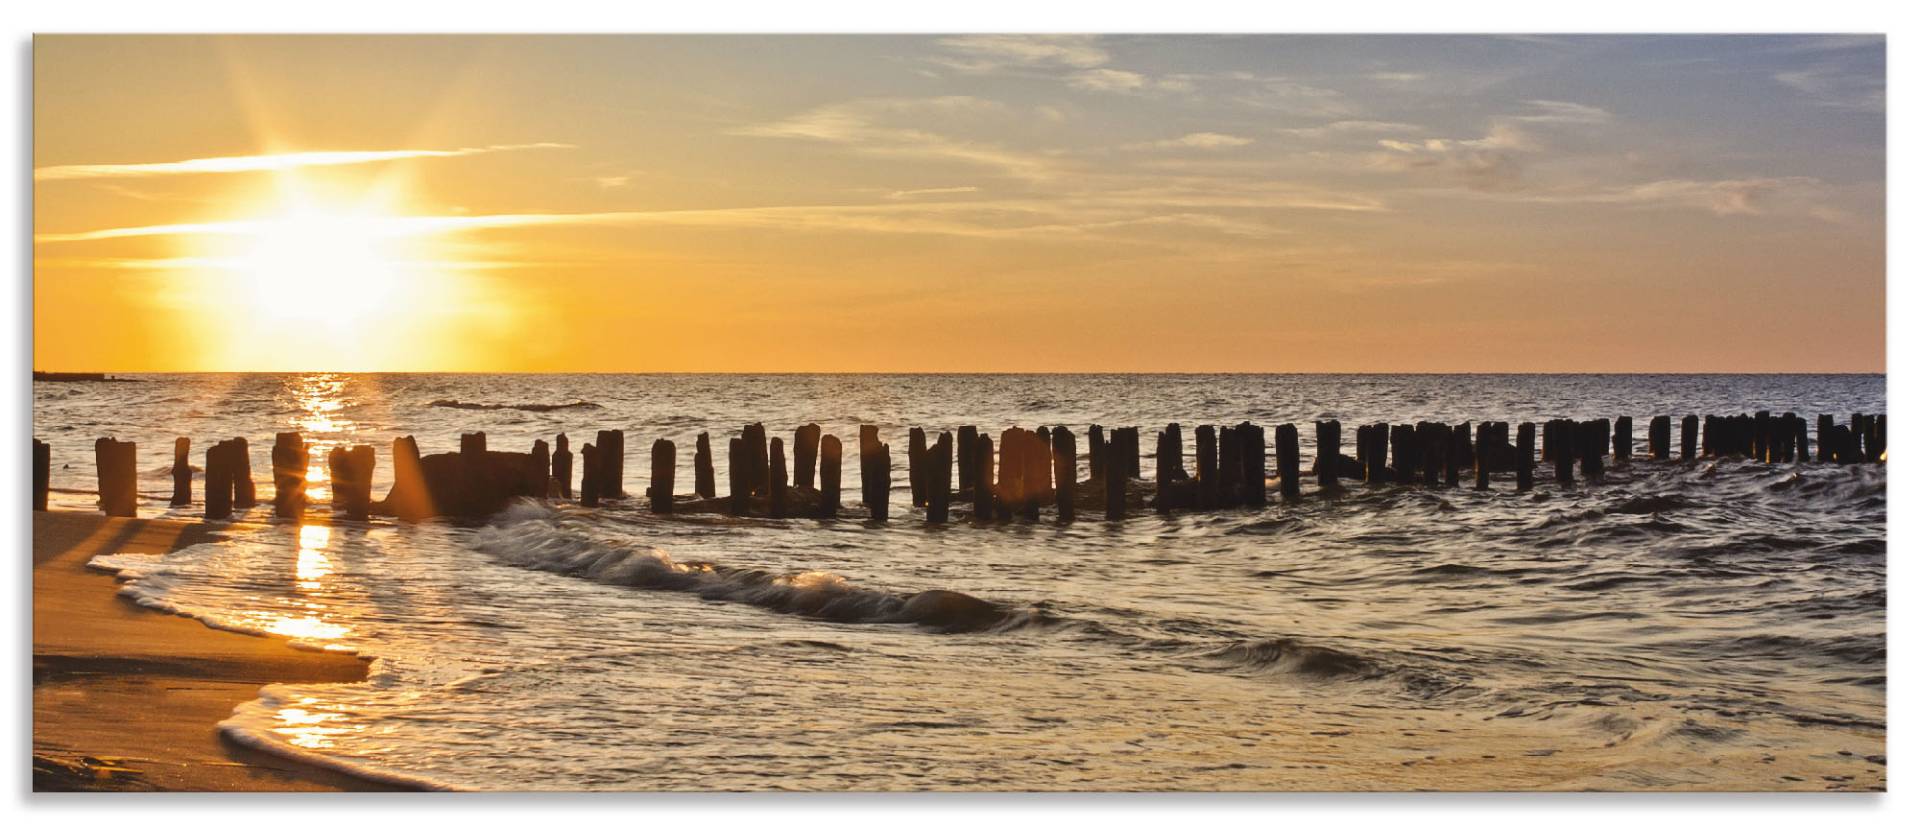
x=1375, y=455
x=1483, y=456
x=703, y=466
x=1459, y=451
x=182, y=474
x=1823, y=425
x=1206, y=454
x=1326, y=452
x=610, y=447
x=1592, y=459
x=1660, y=438
x=829, y=477
x=590, y=469
x=244, y=493
x=806, y=449
x=42, y=473
x=1623, y=439
x=356, y=495
x=1405, y=441
x=1689, y=436
x=1010, y=487
x=876, y=472
x=984, y=506
x=338, y=476
x=1096, y=451
x=938, y=480
x=1253, y=465
x=1163, y=473
x=1065, y=473
x=776, y=479
x=963, y=456
x=916, y=459
x=1116, y=487
x=1176, y=444
x=290, y=475
x=1036, y=479
x=219, y=480
x=1523, y=458
x=562, y=466
x=660, y=482
x=540, y=470
x=1286, y=452
x=1130, y=454
x=1800, y=438
x=737, y=483
x=408, y=498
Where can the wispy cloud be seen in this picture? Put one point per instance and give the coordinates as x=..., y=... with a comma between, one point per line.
x=1195, y=140
x=878, y=126
x=1352, y=127
x=1837, y=87
x=983, y=53
x=265, y=163
x=906, y=194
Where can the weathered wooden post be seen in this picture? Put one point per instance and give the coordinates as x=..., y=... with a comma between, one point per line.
x=1163, y=473
x=806, y=449
x=1405, y=441
x=1799, y=438
x=1757, y=440
x=1689, y=436
x=916, y=458
x=353, y=480
x=1096, y=451
x=984, y=508
x=42, y=473
x=1459, y=450
x=829, y=476
x=1253, y=465
x=1593, y=457
x=290, y=474
x=1483, y=456
x=938, y=480
x=703, y=466
x=963, y=456
x=1286, y=452
x=776, y=479
x=1065, y=473
x=1879, y=439
x=244, y=493
x=610, y=448
x=1660, y=438
x=1206, y=454
x=1176, y=443
x=1037, y=477
x=660, y=481
x=408, y=499
x=1822, y=431
x=591, y=467
x=1623, y=439
x=539, y=472
x=1231, y=475
x=562, y=466
x=1326, y=452
x=114, y=469
x=1116, y=487
x=1375, y=455
x=182, y=474
x=219, y=480
x=1523, y=458
x=876, y=472
x=1010, y=488
x=737, y=483
x=1130, y=454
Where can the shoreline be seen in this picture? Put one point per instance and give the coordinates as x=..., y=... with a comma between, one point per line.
x=131, y=699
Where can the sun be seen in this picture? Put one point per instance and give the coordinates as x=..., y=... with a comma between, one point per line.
x=327, y=279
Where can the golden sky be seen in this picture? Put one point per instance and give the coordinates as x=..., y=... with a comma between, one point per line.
x=960, y=203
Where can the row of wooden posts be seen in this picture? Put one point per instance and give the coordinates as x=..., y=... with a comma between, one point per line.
x=1035, y=467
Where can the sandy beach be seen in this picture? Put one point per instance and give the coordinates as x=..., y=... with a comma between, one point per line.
x=126, y=698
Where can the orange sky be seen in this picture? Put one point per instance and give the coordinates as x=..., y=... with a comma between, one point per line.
x=966, y=203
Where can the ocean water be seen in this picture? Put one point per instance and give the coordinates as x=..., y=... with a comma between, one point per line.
x=1715, y=625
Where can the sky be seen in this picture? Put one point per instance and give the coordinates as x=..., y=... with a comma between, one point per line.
x=963, y=203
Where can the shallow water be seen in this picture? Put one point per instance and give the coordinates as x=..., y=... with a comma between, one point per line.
x=1707, y=626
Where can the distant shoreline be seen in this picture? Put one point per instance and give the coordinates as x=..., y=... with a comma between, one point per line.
x=77, y=377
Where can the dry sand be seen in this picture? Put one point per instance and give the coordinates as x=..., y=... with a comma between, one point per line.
x=126, y=698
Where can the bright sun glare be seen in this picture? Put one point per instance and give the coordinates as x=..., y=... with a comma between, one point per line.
x=324, y=280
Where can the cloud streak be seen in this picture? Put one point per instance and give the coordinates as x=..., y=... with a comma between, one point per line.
x=266, y=162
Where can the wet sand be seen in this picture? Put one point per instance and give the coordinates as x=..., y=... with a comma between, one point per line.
x=126, y=698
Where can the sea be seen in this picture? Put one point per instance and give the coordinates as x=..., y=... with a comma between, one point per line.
x=1707, y=625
